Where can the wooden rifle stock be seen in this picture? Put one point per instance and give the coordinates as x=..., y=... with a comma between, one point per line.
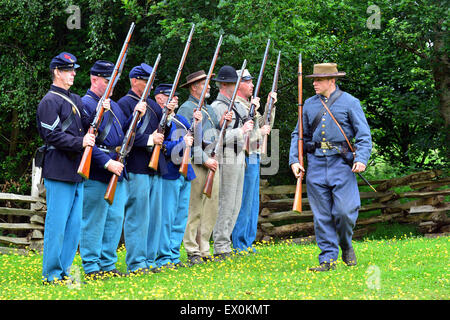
x=210, y=178
x=297, y=206
x=154, y=160
x=251, y=113
x=185, y=161
x=85, y=163
x=128, y=140
x=270, y=105
x=111, y=189
x=187, y=151
x=207, y=189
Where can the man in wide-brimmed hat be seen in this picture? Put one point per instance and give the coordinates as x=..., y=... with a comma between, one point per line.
x=202, y=210
x=232, y=163
x=331, y=183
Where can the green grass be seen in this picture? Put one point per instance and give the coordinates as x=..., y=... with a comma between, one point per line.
x=393, y=269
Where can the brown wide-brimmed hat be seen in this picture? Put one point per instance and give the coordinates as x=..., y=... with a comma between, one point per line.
x=326, y=70
x=194, y=77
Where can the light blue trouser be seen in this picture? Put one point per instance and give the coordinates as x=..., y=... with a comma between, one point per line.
x=137, y=217
x=101, y=226
x=175, y=209
x=334, y=199
x=244, y=232
x=62, y=227
x=154, y=221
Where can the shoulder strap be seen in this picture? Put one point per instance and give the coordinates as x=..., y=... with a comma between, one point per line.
x=319, y=115
x=179, y=123
x=102, y=136
x=66, y=123
x=339, y=126
x=146, y=120
x=238, y=116
x=74, y=107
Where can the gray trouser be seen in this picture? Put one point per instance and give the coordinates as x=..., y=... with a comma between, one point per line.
x=202, y=213
x=232, y=172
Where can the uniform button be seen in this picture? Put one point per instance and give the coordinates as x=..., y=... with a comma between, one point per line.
x=80, y=130
x=323, y=132
x=323, y=126
x=324, y=150
x=323, y=119
x=323, y=139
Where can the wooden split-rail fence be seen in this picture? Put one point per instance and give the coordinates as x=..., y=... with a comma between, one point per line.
x=22, y=218
x=425, y=202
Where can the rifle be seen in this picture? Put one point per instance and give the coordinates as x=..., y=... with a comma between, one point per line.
x=85, y=163
x=163, y=123
x=297, y=207
x=128, y=140
x=186, y=156
x=210, y=178
x=251, y=113
x=270, y=105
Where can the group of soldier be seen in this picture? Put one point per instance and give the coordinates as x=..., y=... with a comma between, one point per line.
x=158, y=210
x=155, y=210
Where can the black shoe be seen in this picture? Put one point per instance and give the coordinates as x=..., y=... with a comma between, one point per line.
x=114, y=273
x=94, y=275
x=349, y=257
x=194, y=260
x=179, y=265
x=207, y=258
x=155, y=269
x=59, y=282
x=324, y=266
x=222, y=256
x=139, y=271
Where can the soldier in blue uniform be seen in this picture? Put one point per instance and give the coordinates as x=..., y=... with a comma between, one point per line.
x=176, y=187
x=331, y=184
x=144, y=185
x=60, y=125
x=101, y=225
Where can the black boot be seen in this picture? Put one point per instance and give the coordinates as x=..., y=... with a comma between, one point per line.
x=349, y=257
x=324, y=266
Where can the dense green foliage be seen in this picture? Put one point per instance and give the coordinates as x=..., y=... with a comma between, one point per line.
x=399, y=69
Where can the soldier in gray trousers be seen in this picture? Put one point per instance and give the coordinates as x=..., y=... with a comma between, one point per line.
x=232, y=162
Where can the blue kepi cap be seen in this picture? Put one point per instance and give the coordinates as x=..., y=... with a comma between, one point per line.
x=102, y=68
x=64, y=61
x=142, y=71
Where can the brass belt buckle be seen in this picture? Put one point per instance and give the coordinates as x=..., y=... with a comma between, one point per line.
x=325, y=145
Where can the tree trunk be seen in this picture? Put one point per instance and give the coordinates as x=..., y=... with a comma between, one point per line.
x=441, y=70
x=14, y=133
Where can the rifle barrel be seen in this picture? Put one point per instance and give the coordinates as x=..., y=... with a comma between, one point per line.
x=128, y=140
x=85, y=163
x=154, y=160
x=210, y=178
x=297, y=206
x=187, y=151
x=270, y=104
